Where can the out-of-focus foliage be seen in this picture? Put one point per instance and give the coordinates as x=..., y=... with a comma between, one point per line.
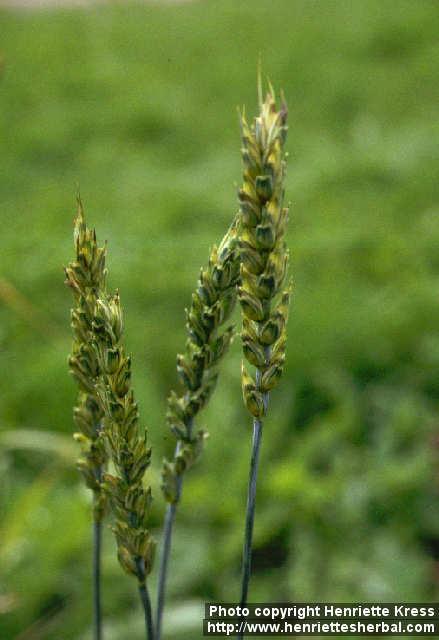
x=137, y=103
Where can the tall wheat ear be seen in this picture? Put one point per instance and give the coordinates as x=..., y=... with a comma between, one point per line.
x=264, y=264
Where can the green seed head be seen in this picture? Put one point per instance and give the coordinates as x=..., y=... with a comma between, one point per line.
x=129, y=498
x=86, y=276
x=263, y=252
x=207, y=343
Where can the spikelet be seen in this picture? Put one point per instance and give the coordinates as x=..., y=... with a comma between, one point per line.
x=86, y=277
x=263, y=252
x=129, y=499
x=211, y=307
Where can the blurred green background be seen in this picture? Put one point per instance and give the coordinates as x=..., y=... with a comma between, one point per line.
x=137, y=104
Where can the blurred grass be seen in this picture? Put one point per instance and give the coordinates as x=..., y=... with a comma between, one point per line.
x=137, y=104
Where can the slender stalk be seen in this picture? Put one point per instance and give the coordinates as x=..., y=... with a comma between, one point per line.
x=145, y=599
x=250, y=512
x=97, y=552
x=164, y=560
x=97, y=612
x=146, y=602
x=168, y=529
x=251, y=497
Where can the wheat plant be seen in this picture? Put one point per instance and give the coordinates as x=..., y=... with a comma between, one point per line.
x=251, y=264
x=264, y=262
x=107, y=417
x=207, y=342
x=86, y=277
x=129, y=499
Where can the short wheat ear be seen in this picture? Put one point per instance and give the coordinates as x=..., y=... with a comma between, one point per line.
x=86, y=278
x=129, y=498
x=264, y=263
x=212, y=305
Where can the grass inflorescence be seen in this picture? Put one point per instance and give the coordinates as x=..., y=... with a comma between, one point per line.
x=197, y=368
x=130, y=500
x=86, y=276
x=264, y=264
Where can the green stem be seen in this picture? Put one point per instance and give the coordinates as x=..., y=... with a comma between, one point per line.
x=97, y=553
x=166, y=552
x=251, y=502
x=145, y=599
x=97, y=614
x=250, y=512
